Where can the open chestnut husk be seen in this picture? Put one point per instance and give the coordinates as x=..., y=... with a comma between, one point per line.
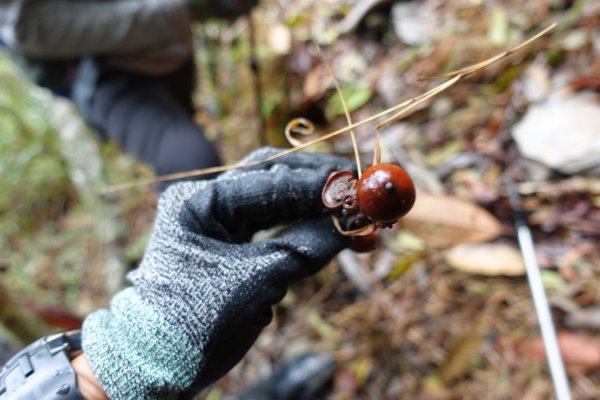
x=383, y=194
x=339, y=192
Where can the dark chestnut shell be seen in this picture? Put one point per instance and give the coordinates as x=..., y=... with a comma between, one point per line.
x=337, y=189
x=385, y=193
x=365, y=244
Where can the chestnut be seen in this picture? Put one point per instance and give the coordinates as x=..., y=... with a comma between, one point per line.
x=365, y=244
x=385, y=193
x=382, y=195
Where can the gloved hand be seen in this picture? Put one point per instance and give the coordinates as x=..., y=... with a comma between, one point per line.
x=202, y=292
x=226, y=9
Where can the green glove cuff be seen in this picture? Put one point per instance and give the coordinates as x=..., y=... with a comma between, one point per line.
x=135, y=354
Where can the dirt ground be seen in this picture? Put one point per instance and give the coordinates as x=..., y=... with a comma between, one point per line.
x=406, y=321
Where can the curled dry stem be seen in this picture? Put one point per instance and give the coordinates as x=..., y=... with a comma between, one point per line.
x=401, y=110
x=463, y=72
x=300, y=126
x=362, y=231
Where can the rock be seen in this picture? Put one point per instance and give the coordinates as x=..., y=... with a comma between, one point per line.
x=562, y=132
x=415, y=23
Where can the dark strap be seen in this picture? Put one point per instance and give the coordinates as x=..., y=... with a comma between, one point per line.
x=54, y=74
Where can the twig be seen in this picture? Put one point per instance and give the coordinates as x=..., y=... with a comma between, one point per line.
x=345, y=107
x=402, y=110
x=258, y=96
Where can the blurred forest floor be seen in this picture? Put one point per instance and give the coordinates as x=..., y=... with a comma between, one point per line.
x=442, y=309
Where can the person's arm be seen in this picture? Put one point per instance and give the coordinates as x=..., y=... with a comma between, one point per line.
x=63, y=28
x=60, y=28
x=203, y=291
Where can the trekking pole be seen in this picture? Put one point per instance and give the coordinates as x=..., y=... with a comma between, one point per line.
x=540, y=301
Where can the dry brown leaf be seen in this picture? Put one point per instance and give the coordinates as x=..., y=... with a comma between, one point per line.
x=54, y=315
x=444, y=220
x=584, y=318
x=316, y=83
x=458, y=362
x=580, y=353
x=346, y=384
x=489, y=259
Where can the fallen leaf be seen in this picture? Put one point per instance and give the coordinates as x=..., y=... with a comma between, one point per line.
x=55, y=315
x=562, y=132
x=316, y=322
x=580, y=353
x=355, y=96
x=362, y=368
x=553, y=282
x=536, y=82
x=459, y=360
x=433, y=388
x=214, y=394
x=316, y=83
x=415, y=23
x=584, y=318
x=575, y=39
x=356, y=14
x=354, y=270
x=345, y=384
x=280, y=39
x=447, y=220
x=498, y=30
x=405, y=240
x=489, y=259
x=404, y=263
x=586, y=82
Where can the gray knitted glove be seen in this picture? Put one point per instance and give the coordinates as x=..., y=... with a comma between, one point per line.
x=203, y=293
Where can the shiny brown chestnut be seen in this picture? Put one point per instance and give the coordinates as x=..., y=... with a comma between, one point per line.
x=359, y=207
x=385, y=193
